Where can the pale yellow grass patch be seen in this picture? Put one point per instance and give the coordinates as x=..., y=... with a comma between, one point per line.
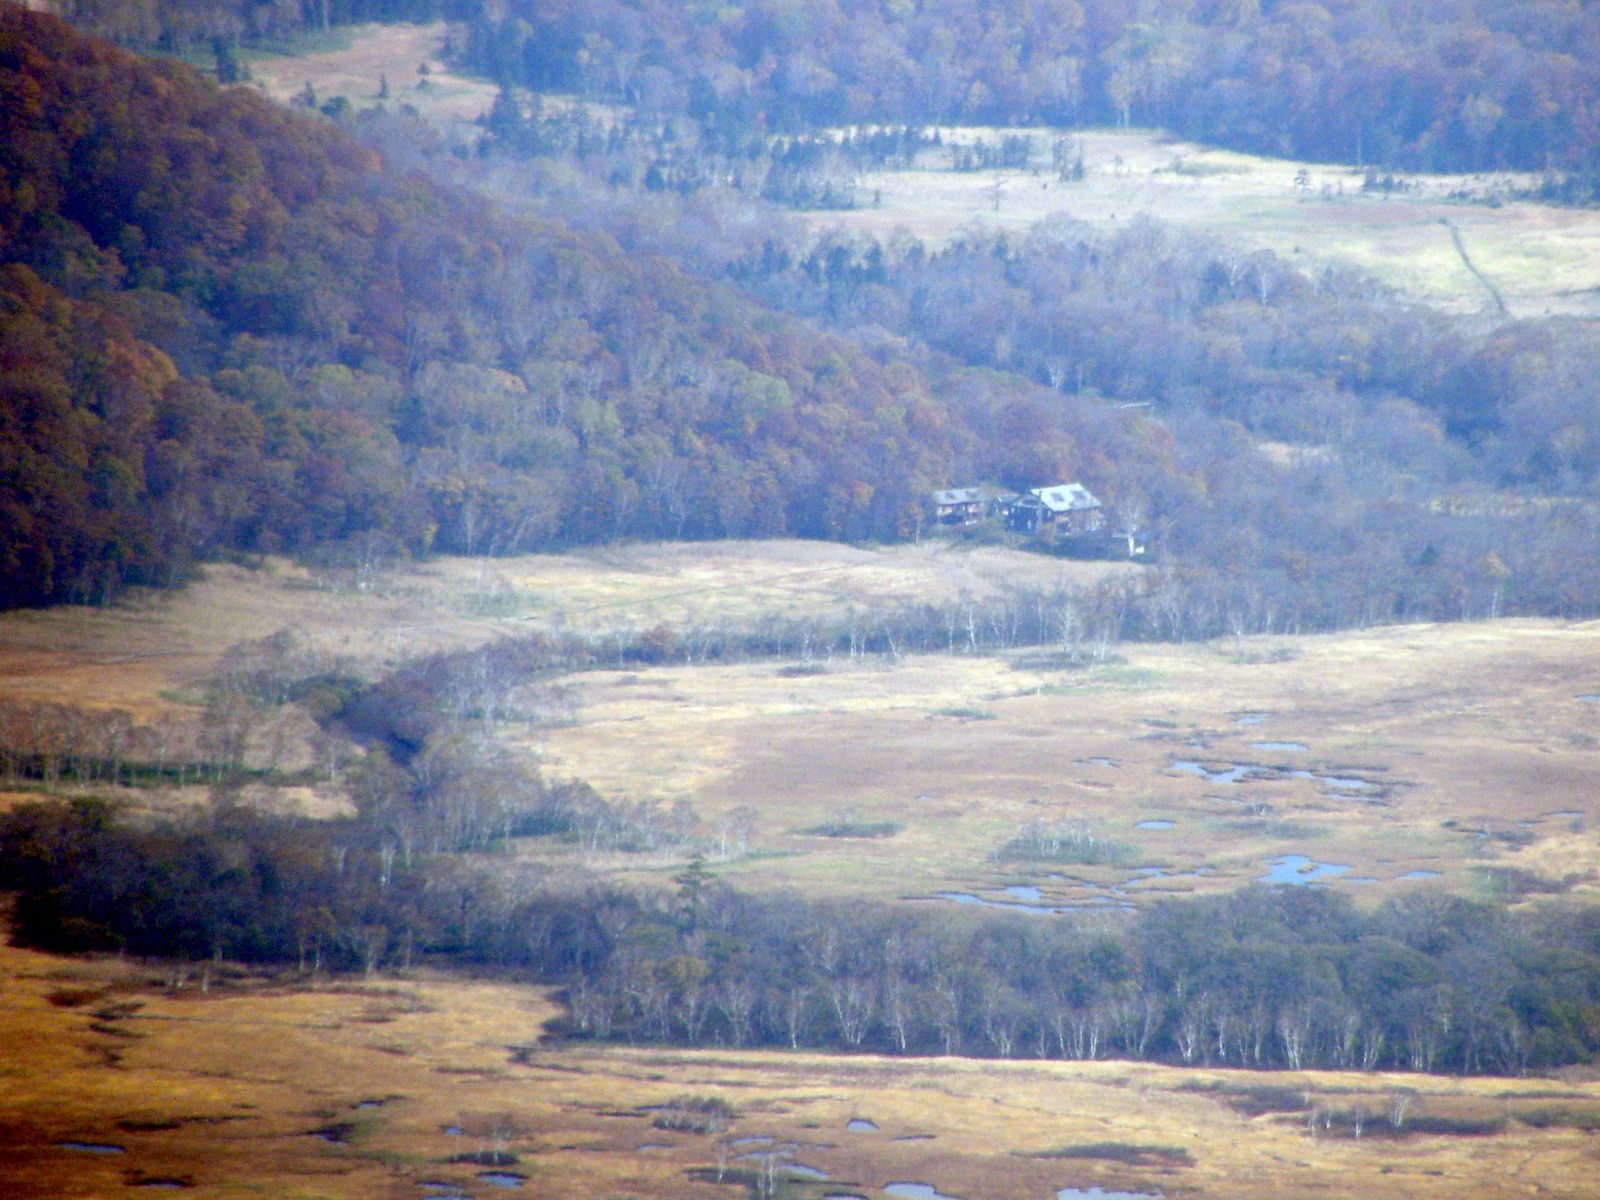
x=1470, y=739
x=703, y=583
x=1543, y=259
x=373, y=53
x=150, y=652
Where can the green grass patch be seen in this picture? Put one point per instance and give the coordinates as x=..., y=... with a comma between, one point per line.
x=295, y=44
x=1201, y=170
x=802, y=670
x=1560, y=1117
x=1276, y=828
x=1069, y=842
x=1131, y=1154
x=963, y=712
x=1252, y=1100
x=695, y=1114
x=853, y=829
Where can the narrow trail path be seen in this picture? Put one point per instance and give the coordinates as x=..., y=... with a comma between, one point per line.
x=1461, y=249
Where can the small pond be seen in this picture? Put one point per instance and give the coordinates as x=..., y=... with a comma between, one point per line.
x=92, y=1147
x=861, y=1125
x=1298, y=870
x=1280, y=747
x=1095, y=1193
x=1232, y=773
x=1010, y=905
x=915, y=1191
x=801, y=1171
x=1156, y=824
x=1250, y=718
x=1420, y=875
x=502, y=1179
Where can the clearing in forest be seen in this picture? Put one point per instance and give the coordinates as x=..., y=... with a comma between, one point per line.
x=1542, y=259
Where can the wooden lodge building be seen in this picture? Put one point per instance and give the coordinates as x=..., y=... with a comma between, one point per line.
x=966, y=506
x=1060, y=511
x=1065, y=509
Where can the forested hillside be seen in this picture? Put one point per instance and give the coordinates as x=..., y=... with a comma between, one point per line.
x=230, y=327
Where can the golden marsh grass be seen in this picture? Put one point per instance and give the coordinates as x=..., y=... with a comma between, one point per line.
x=223, y=1091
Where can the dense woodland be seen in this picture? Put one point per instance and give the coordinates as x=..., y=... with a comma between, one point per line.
x=299, y=346
x=1265, y=977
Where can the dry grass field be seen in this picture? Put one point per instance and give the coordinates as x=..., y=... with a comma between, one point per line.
x=1542, y=259
x=149, y=652
x=1460, y=757
x=114, y=1083
x=1464, y=750
x=364, y=57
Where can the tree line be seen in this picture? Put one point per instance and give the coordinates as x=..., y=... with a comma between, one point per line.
x=418, y=872
x=1279, y=977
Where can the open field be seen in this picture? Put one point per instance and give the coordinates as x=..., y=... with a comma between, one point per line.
x=363, y=58
x=1542, y=259
x=149, y=652
x=389, y=1088
x=1462, y=750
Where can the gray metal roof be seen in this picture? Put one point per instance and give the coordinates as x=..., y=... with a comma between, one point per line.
x=1065, y=497
x=971, y=495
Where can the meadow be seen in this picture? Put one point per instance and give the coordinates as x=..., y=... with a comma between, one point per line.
x=356, y=63
x=1456, y=756
x=1540, y=258
x=1461, y=752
